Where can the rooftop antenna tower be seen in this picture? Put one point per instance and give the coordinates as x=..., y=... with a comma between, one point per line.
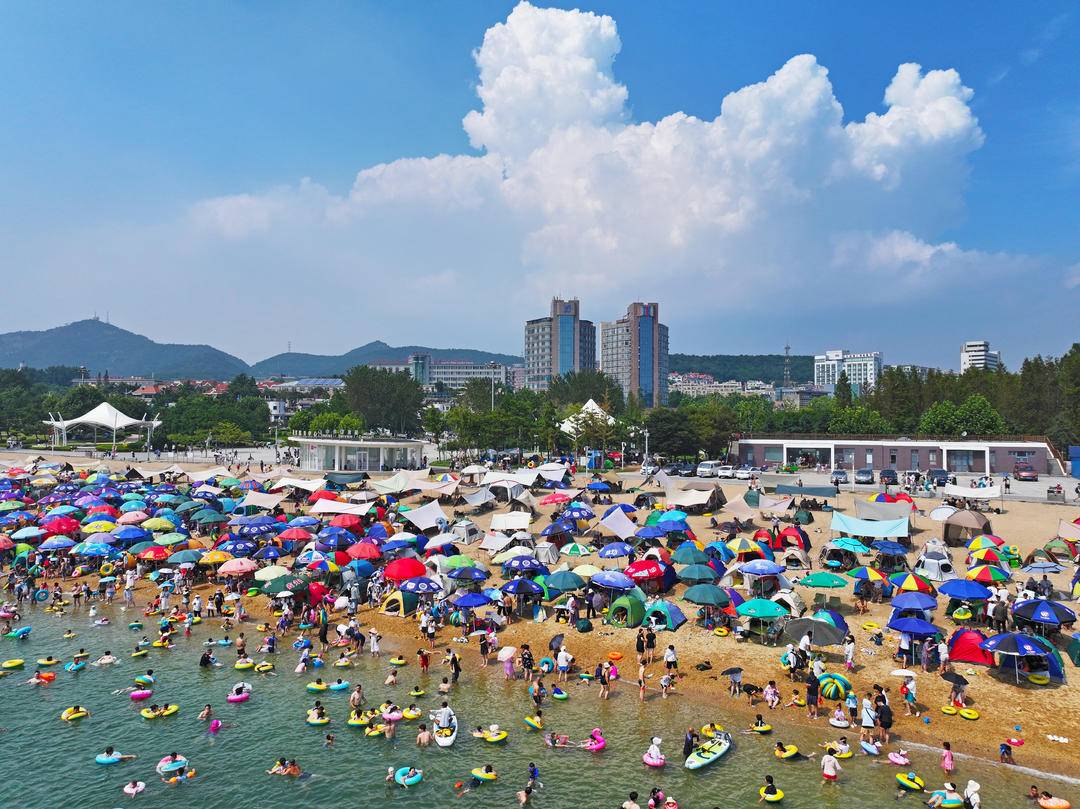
x=787, y=366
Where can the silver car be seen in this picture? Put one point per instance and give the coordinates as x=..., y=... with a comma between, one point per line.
x=726, y=471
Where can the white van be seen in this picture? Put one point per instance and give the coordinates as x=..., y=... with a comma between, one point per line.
x=707, y=469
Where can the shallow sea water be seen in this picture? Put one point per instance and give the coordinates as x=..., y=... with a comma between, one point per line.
x=45, y=762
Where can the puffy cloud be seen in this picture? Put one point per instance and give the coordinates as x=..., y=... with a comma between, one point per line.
x=773, y=200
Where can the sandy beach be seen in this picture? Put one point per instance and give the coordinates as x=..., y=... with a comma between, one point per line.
x=1002, y=705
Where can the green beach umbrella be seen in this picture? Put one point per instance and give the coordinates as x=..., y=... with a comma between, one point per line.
x=689, y=554
x=564, y=580
x=850, y=544
x=697, y=573
x=11, y=505
x=170, y=539
x=460, y=560
x=761, y=608
x=707, y=595
x=823, y=578
x=575, y=549
x=293, y=583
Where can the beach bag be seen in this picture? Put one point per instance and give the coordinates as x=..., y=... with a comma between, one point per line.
x=584, y=625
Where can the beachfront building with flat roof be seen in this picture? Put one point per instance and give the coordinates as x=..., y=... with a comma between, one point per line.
x=977, y=354
x=977, y=456
x=634, y=352
x=862, y=369
x=339, y=452
x=558, y=344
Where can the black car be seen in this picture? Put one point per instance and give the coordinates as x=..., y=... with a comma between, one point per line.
x=888, y=477
x=938, y=477
x=864, y=476
x=670, y=469
x=686, y=469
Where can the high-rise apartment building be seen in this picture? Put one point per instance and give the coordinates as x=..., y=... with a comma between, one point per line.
x=558, y=344
x=862, y=369
x=977, y=354
x=634, y=352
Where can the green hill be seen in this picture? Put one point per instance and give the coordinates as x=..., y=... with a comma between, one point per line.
x=744, y=367
x=102, y=347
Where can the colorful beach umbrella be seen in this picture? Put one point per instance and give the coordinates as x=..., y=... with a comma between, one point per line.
x=987, y=573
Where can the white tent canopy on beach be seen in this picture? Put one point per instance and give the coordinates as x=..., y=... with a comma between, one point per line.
x=967, y=493
x=619, y=524
x=260, y=500
x=590, y=410
x=337, y=507
x=426, y=516
x=512, y=521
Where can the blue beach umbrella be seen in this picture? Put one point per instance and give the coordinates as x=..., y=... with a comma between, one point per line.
x=470, y=601
x=1038, y=611
x=914, y=601
x=468, y=574
x=914, y=626
x=613, y=580
x=420, y=585
x=522, y=587
x=613, y=550
x=626, y=508
x=964, y=589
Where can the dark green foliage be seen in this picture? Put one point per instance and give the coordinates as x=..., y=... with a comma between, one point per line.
x=744, y=367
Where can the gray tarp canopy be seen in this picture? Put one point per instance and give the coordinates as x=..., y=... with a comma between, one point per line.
x=807, y=491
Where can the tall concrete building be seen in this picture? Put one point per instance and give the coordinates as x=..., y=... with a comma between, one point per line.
x=862, y=369
x=634, y=352
x=558, y=344
x=977, y=354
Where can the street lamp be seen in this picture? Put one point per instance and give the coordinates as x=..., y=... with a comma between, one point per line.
x=645, y=433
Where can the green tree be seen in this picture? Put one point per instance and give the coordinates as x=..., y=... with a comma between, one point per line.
x=241, y=386
x=939, y=419
x=858, y=420
x=228, y=434
x=577, y=387
x=670, y=432
x=842, y=392
x=326, y=423
x=476, y=395
x=434, y=422
x=386, y=400
x=301, y=420
x=1069, y=375
x=351, y=423
x=976, y=416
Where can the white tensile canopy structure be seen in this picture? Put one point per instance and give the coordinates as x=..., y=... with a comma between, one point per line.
x=104, y=416
x=590, y=410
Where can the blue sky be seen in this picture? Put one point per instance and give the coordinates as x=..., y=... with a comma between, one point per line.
x=120, y=120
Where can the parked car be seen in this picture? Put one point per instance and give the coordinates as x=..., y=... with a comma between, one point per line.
x=726, y=471
x=708, y=469
x=939, y=477
x=838, y=476
x=888, y=477
x=686, y=469
x=1025, y=471
x=755, y=471
x=650, y=468
x=864, y=476
x=743, y=472
x=670, y=469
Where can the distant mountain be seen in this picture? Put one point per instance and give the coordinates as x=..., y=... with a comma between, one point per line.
x=744, y=367
x=297, y=364
x=102, y=347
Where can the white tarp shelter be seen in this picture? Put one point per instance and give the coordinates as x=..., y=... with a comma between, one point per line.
x=260, y=500
x=513, y=521
x=967, y=493
x=619, y=524
x=337, y=507
x=590, y=410
x=308, y=485
x=426, y=516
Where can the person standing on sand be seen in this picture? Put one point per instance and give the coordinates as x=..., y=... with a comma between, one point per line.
x=639, y=644
x=650, y=645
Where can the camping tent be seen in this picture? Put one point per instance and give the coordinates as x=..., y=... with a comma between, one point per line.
x=426, y=516
x=400, y=604
x=935, y=566
x=965, y=524
x=512, y=521
x=794, y=559
x=494, y=542
x=792, y=601
x=1055, y=667
x=964, y=648
x=626, y=611
x=547, y=553
x=664, y=614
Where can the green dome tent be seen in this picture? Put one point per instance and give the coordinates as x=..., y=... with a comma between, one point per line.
x=626, y=612
x=666, y=613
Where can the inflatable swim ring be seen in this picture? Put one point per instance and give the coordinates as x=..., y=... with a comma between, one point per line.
x=14, y=663
x=1054, y=803
x=899, y=759
x=168, y=710
x=948, y=804
x=535, y=722
x=47, y=661
x=101, y=758
x=417, y=692
x=870, y=749
x=1033, y=678
x=244, y=665
x=479, y=774
x=71, y=715
x=500, y=736
x=343, y=663
x=397, y=661
x=47, y=676
x=416, y=778
x=141, y=694
x=243, y=696
x=139, y=653
x=776, y=797
x=339, y=686
x=948, y=710
x=848, y=754
x=558, y=693
x=910, y=781
x=171, y=765
x=653, y=762
x=596, y=742
x=134, y=789
x=961, y=614
x=315, y=688
x=709, y=731
x=614, y=657
x=160, y=644
x=264, y=667
x=799, y=702
x=968, y=713
x=790, y=751
x=375, y=730
x=70, y=635
x=74, y=666
x=176, y=779
x=721, y=631
x=80, y=656
x=144, y=679
x=839, y=723
x=313, y=719
x=547, y=665
x=762, y=729
x=301, y=644
x=585, y=676
x=870, y=626
x=134, y=625
x=1015, y=741
x=224, y=642
x=393, y=716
